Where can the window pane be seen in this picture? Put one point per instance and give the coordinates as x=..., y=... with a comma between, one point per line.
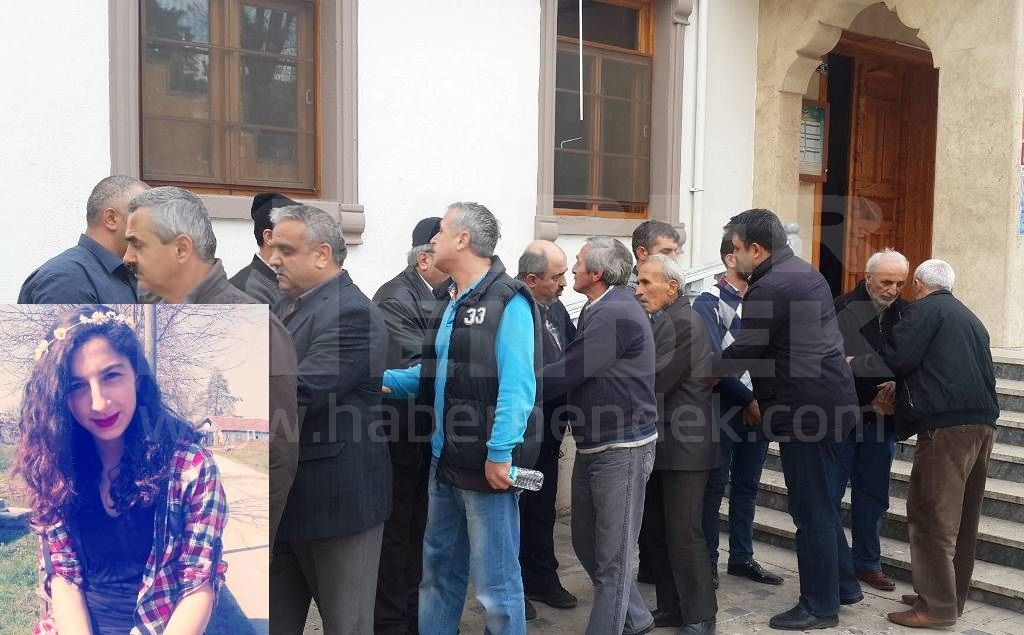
x=270, y=30
x=177, y=149
x=617, y=178
x=603, y=23
x=626, y=79
x=618, y=130
x=567, y=70
x=175, y=81
x=183, y=20
x=572, y=174
x=270, y=93
x=570, y=132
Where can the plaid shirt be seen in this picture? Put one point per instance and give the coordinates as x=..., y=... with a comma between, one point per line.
x=186, y=548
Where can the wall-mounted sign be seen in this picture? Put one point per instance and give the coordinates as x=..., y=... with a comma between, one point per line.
x=814, y=141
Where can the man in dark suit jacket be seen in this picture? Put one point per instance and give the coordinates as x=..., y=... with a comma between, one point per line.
x=792, y=347
x=542, y=267
x=407, y=302
x=328, y=544
x=258, y=279
x=686, y=454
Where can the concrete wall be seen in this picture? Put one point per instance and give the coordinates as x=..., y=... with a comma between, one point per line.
x=977, y=48
x=54, y=110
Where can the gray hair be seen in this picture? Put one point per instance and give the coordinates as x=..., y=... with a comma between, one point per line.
x=414, y=254
x=106, y=192
x=484, y=229
x=886, y=254
x=670, y=269
x=320, y=228
x=534, y=262
x=935, y=274
x=178, y=212
x=611, y=257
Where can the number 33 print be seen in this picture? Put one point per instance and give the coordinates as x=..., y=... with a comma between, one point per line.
x=475, y=316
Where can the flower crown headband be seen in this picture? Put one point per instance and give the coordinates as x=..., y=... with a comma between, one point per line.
x=98, y=317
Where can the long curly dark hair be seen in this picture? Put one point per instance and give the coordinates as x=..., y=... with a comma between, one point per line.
x=57, y=457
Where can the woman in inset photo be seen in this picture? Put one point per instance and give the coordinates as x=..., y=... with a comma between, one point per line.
x=128, y=507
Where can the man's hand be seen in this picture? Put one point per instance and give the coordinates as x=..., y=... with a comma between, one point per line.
x=497, y=474
x=849, y=359
x=884, y=402
x=384, y=390
x=752, y=414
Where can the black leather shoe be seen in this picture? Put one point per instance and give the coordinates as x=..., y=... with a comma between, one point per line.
x=714, y=577
x=755, y=572
x=665, y=617
x=557, y=598
x=531, y=613
x=854, y=600
x=798, y=619
x=700, y=628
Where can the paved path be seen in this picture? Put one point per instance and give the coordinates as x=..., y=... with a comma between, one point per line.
x=743, y=606
x=245, y=542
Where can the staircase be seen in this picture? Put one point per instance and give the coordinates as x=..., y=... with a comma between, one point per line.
x=999, y=567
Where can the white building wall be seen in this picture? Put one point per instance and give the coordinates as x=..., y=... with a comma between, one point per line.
x=447, y=111
x=54, y=113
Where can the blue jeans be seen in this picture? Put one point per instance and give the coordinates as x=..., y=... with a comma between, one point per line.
x=742, y=461
x=866, y=459
x=822, y=553
x=471, y=534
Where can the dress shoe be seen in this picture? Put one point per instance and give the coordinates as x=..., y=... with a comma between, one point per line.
x=798, y=619
x=913, y=619
x=666, y=617
x=642, y=631
x=911, y=599
x=700, y=628
x=751, y=569
x=714, y=577
x=877, y=579
x=557, y=598
x=531, y=613
x=857, y=599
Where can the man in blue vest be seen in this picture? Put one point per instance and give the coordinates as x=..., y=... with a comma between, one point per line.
x=479, y=373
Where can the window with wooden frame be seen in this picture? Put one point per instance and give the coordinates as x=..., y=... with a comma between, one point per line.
x=602, y=162
x=228, y=94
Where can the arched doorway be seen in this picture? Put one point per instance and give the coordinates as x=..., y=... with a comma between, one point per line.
x=883, y=98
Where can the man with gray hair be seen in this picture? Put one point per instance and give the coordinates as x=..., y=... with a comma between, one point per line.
x=866, y=316
x=939, y=353
x=328, y=544
x=170, y=238
x=91, y=272
x=479, y=373
x=607, y=373
x=686, y=455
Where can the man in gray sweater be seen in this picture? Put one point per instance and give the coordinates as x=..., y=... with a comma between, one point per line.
x=607, y=373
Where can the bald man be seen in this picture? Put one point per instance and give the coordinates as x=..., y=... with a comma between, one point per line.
x=542, y=267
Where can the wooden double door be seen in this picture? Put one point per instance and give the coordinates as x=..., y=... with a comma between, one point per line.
x=891, y=165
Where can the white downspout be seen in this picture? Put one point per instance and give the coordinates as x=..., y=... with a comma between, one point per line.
x=699, y=125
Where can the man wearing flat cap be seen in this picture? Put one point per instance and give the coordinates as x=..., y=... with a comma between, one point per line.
x=257, y=278
x=407, y=301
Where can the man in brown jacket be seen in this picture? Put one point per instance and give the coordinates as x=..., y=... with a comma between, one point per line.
x=687, y=452
x=170, y=240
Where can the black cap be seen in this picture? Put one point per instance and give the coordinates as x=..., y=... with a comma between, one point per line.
x=425, y=230
x=262, y=204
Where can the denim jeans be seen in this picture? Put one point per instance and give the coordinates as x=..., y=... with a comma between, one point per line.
x=822, y=553
x=608, y=490
x=471, y=534
x=864, y=462
x=742, y=461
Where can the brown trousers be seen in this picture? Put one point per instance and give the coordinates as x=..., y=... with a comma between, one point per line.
x=947, y=486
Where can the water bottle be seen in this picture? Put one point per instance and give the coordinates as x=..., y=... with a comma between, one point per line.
x=523, y=478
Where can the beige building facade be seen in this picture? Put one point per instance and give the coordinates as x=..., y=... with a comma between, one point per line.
x=972, y=212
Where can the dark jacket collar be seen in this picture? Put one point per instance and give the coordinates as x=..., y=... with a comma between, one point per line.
x=264, y=268
x=214, y=285
x=106, y=257
x=776, y=258
x=416, y=283
x=496, y=271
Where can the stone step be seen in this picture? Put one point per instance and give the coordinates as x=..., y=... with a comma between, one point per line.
x=1003, y=499
x=991, y=583
x=1009, y=363
x=1010, y=428
x=1010, y=393
x=1006, y=462
x=999, y=540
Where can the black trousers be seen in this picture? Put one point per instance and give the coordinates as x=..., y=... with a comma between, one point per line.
x=676, y=549
x=401, y=554
x=537, y=522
